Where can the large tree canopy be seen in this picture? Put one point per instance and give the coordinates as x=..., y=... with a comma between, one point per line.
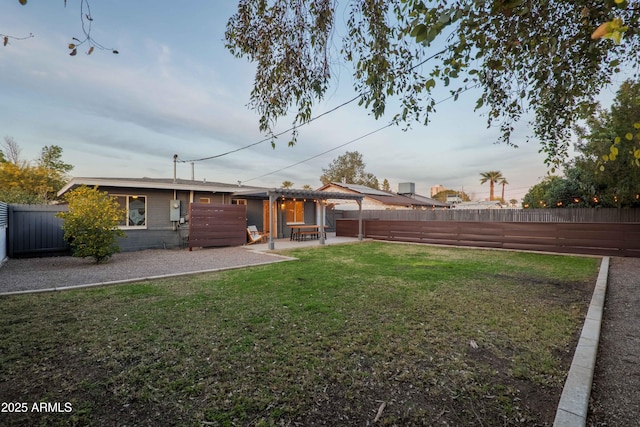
x=350, y=169
x=526, y=55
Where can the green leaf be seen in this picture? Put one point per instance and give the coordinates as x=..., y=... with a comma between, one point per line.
x=430, y=84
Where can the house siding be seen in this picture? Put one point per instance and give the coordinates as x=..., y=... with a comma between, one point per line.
x=159, y=232
x=255, y=213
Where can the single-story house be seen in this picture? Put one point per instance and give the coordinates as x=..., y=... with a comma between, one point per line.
x=157, y=209
x=375, y=199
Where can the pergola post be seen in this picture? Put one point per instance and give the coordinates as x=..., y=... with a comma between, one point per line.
x=271, y=213
x=360, y=236
x=322, y=213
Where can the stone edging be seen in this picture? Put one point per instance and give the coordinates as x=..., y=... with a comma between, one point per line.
x=574, y=402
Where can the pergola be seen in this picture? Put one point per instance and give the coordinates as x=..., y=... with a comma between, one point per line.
x=321, y=198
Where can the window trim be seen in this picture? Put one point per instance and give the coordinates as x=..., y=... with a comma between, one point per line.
x=128, y=197
x=296, y=220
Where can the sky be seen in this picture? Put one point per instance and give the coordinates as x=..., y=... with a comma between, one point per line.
x=174, y=89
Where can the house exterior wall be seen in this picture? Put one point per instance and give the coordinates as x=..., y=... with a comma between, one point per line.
x=160, y=232
x=255, y=213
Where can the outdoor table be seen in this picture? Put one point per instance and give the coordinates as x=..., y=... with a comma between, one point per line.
x=299, y=232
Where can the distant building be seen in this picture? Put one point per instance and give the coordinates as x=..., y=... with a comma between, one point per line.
x=377, y=199
x=436, y=189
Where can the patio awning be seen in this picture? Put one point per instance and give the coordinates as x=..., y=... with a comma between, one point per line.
x=289, y=193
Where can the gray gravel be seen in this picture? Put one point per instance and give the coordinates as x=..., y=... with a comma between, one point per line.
x=60, y=272
x=615, y=393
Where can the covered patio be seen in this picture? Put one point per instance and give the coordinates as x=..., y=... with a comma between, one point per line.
x=321, y=198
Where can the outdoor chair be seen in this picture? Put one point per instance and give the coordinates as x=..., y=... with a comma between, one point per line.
x=254, y=235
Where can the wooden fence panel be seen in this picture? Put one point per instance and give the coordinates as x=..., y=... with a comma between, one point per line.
x=616, y=239
x=216, y=224
x=572, y=215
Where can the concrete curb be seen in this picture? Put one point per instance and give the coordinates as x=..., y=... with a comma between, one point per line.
x=574, y=402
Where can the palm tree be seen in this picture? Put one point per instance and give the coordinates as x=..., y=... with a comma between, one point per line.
x=492, y=177
x=503, y=182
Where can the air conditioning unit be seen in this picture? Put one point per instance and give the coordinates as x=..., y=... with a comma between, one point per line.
x=407, y=188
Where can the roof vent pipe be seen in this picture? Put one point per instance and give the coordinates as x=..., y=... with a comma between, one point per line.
x=175, y=161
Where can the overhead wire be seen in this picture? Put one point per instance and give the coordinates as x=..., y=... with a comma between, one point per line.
x=353, y=140
x=295, y=127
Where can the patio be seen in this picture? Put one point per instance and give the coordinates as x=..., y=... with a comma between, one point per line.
x=287, y=243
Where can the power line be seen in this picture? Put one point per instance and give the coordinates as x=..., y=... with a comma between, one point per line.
x=353, y=140
x=360, y=95
x=277, y=135
x=323, y=153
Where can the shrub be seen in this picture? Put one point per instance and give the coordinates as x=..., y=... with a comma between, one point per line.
x=91, y=224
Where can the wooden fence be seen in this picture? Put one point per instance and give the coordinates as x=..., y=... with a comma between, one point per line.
x=216, y=224
x=505, y=215
x=615, y=239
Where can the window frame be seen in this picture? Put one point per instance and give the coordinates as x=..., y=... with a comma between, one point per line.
x=128, y=198
x=297, y=210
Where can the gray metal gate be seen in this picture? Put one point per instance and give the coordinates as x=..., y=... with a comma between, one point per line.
x=34, y=230
x=4, y=224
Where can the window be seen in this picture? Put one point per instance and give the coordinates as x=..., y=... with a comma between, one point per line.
x=135, y=208
x=239, y=201
x=205, y=200
x=294, y=211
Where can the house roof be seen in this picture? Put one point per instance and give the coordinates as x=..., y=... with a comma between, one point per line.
x=156, y=184
x=290, y=193
x=387, y=197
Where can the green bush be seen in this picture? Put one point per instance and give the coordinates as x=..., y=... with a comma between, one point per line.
x=91, y=224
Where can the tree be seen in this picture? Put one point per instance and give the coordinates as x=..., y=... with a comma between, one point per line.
x=525, y=55
x=91, y=224
x=25, y=182
x=51, y=158
x=536, y=196
x=614, y=183
x=442, y=195
x=385, y=185
x=86, y=20
x=492, y=177
x=307, y=187
x=503, y=181
x=286, y=184
x=12, y=151
x=350, y=169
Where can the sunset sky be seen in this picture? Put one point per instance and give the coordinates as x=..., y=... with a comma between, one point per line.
x=174, y=89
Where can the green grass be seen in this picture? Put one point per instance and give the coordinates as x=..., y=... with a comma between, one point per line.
x=324, y=339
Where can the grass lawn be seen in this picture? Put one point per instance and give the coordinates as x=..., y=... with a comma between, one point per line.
x=348, y=334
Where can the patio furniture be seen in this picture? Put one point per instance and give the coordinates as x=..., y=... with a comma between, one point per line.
x=300, y=232
x=255, y=236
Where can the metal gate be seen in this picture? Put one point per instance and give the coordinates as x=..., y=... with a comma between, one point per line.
x=34, y=230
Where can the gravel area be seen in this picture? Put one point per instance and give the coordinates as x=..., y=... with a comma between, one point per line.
x=59, y=272
x=615, y=393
